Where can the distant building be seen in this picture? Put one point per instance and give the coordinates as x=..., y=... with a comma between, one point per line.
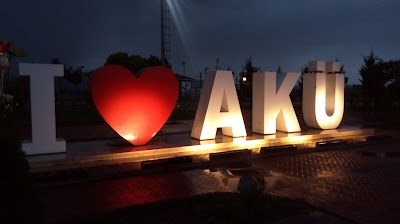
x=185, y=85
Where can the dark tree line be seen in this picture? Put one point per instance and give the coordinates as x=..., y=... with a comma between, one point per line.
x=71, y=74
x=305, y=70
x=380, y=82
x=246, y=77
x=133, y=63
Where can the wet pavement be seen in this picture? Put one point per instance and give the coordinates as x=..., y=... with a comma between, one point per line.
x=343, y=184
x=362, y=188
x=93, y=197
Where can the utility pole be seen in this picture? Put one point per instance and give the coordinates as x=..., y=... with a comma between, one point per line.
x=165, y=33
x=201, y=85
x=184, y=67
x=217, y=66
x=205, y=71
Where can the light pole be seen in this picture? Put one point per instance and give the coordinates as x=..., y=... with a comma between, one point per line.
x=205, y=72
x=243, y=85
x=165, y=33
x=184, y=67
x=200, y=80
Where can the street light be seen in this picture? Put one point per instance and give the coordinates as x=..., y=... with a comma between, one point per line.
x=244, y=85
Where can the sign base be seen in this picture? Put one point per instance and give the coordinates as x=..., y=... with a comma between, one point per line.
x=95, y=153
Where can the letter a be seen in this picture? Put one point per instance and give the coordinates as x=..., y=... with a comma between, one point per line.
x=42, y=108
x=218, y=108
x=323, y=95
x=273, y=110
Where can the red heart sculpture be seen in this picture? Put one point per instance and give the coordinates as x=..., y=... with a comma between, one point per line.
x=135, y=107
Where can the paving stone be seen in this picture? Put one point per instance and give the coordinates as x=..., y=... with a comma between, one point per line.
x=361, y=188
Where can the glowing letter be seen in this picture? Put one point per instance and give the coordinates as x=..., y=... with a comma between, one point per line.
x=218, y=108
x=323, y=95
x=273, y=110
x=43, y=108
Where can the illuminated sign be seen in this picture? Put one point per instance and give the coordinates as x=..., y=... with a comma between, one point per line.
x=218, y=108
x=42, y=108
x=137, y=107
x=323, y=102
x=323, y=95
x=272, y=109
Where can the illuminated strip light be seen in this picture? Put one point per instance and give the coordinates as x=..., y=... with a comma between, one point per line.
x=218, y=108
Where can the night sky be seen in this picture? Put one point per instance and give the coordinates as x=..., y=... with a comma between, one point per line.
x=272, y=32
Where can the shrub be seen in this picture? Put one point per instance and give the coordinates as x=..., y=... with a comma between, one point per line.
x=18, y=198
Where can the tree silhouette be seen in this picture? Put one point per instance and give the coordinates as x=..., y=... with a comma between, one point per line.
x=392, y=69
x=279, y=69
x=373, y=80
x=342, y=71
x=55, y=61
x=73, y=75
x=304, y=70
x=153, y=61
x=133, y=63
x=246, y=77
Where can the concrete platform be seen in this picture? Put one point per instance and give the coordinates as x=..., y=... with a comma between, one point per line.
x=101, y=152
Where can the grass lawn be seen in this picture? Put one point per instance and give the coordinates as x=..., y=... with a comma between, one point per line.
x=207, y=208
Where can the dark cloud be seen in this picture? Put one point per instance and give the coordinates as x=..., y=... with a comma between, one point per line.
x=274, y=32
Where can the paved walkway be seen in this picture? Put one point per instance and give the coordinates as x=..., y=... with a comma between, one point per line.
x=107, y=195
x=362, y=188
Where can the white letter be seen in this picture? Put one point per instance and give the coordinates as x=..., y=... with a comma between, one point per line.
x=273, y=110
x=43, y=108
x=218, y=108
x=323, y=95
